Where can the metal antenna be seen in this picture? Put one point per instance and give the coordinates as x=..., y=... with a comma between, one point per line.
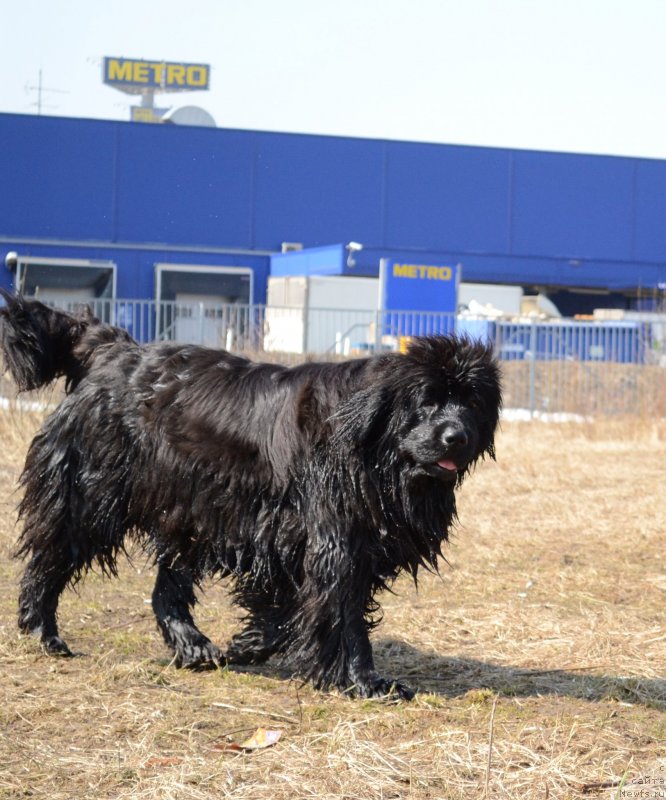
x=40, y=89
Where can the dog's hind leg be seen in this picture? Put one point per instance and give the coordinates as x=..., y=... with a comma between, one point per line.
x=263, y=635
x=73, y=516
x=266, y=627
x=173, y=599
x=47, y=574
x=255, y=644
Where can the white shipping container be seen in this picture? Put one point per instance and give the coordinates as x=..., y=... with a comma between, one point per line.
x=321, y=313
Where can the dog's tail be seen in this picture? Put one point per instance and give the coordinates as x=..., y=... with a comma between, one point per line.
x=41, y=344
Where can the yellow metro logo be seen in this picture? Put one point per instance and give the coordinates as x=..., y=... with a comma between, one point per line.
x=422, y=272
x=155, y=74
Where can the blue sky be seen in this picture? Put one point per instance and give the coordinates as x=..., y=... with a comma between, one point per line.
x=581, y=76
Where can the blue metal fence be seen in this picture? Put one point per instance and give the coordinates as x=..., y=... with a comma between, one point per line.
x=549, y=366
x=630, y=342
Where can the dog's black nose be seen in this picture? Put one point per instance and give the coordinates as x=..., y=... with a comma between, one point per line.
x=454, y=436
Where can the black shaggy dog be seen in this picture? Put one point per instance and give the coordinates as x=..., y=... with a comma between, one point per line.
x=312, y=486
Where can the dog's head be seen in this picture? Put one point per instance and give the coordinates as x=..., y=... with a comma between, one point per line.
x=453, y=410
x=432, y=411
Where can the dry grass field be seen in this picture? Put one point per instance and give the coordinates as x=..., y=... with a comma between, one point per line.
x=539, y=654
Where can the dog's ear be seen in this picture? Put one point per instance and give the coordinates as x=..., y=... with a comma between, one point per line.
x=308, y=410
x=364, y=418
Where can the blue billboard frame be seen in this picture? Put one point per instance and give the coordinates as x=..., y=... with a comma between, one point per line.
x=429, y=289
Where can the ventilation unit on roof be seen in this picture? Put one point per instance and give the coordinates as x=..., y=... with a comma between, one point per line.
x=291, y=247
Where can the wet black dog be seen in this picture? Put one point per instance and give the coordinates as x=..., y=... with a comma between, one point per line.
x=313, y=486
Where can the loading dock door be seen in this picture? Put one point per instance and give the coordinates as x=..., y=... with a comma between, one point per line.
x=65, y=282
x=203, y=305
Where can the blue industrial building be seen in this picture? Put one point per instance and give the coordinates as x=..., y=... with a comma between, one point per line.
x=156, y=211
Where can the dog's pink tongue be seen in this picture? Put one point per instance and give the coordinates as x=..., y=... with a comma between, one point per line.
x=447, y=464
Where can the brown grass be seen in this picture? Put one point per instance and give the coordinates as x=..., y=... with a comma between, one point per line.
x=543, y=638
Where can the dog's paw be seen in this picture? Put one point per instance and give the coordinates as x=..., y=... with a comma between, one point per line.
x=202, y=655
x=55, y=646
x=384, y=688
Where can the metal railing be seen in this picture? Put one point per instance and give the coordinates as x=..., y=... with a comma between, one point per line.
x=582, y=367
x=549, y=366
x=277, y=329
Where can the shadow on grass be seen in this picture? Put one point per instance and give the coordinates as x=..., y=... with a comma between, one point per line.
x=452, y=677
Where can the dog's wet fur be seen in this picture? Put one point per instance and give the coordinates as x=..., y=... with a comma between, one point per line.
x=312, y=486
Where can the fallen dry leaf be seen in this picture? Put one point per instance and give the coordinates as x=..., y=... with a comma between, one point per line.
x=262, y=737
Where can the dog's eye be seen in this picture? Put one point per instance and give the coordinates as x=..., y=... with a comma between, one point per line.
x=473, y=404
x=428, y=410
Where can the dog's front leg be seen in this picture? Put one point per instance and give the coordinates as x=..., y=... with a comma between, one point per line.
x=364, y=678
x=336, y=599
